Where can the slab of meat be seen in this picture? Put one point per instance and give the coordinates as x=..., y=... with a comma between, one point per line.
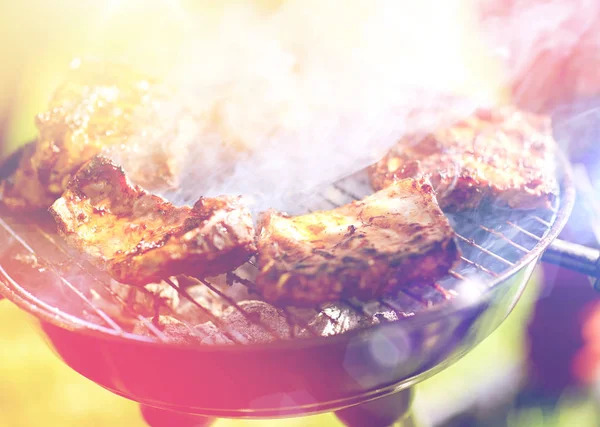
x=504, y=155
x=141, y=238
x=393, y=238
x=93, y=109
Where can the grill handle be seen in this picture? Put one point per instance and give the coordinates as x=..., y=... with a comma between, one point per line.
x=575, y=257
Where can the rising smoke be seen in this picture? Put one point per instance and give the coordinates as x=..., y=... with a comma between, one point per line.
x=274, y=103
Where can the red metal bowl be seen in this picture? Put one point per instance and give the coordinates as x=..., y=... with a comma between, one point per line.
x=299, y=376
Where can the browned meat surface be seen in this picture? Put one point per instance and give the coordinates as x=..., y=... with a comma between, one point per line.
x=505, y=155
x=141, y=238
x=93, y=109
x=395, y=237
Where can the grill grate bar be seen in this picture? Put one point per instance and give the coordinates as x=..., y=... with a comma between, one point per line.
x=356, y=306
x=189, y=327
x=525, y=232
x=360, y=309
x=423, y=302
x=504, y=238
x=448, y=295
x=291, y=318
x=346, y=192
x=173, y=312
x=354, y=196
x=193, y=330
x=464, y=279
x=353, y=306
x=205, y=310
x=250, y=285
x=541, y=221
x=554, y=206
x=398, y=308
x=392, y=306
x=383, y=302
x=105, y=317
x=116, y=296
x=318, y=309
x=471, y=242
x=457, y=275
x=233, y=304
x=479, y=266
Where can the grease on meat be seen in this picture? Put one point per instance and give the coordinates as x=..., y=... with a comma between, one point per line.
x=505, y=155
x=393, y=238
x=141, y=238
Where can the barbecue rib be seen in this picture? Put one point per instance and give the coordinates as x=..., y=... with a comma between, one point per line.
x=504, y=155
x=91, y=110
x=140, y=238
x=395, y=237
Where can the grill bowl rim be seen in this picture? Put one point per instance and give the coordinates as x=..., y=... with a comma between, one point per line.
x=12, y=291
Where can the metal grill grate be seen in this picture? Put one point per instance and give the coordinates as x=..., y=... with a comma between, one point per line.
x=50, y=276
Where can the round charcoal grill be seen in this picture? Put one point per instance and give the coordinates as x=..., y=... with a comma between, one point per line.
x=357, y=358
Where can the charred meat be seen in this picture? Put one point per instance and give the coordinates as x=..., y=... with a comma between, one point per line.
x=504, y=155
x=393, y=238
x=93, y=109
x=141, y=238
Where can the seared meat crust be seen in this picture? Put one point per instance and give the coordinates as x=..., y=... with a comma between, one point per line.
x=141, y=238
x=504, y=155
x=93, y=109
x=393, y=238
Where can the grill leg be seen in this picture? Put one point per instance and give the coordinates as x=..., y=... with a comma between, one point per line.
x=162, y=418
x=382, y=412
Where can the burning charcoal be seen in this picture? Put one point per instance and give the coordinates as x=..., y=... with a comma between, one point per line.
x=336, y=319
x=380, y=313
x=204, y=297
x=384, y=316
x=125, y=303
x=174, y=330
x=257, y=322
x=302, y=314
x=152, y=299
x=212, y=334
x=301, y=318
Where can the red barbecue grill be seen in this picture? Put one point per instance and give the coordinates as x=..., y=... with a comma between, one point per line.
x=357, y=358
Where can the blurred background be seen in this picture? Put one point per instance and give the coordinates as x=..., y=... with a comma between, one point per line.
x=539, y=369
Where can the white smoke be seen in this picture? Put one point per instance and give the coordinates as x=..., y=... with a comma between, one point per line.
x=550, y=48
x=275, y=103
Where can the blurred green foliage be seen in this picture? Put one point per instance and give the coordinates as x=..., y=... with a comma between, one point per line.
x=572, y=410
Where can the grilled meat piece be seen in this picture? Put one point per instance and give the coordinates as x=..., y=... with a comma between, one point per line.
x=93, y=109
x=395, y=237
x=141, y=238
x=504, y=155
